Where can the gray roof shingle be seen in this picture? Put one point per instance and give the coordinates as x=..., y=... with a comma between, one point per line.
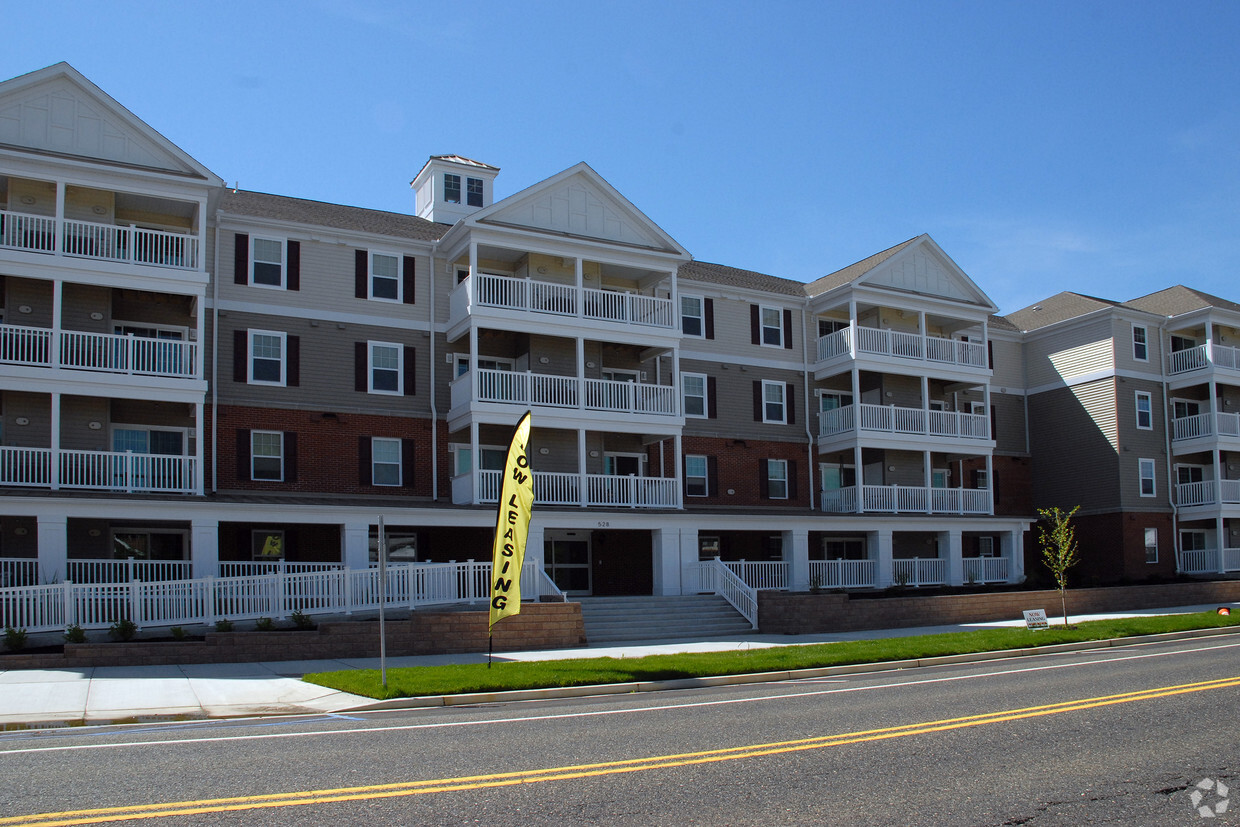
x=735, y=277
x=1179, y=299
x=854, y=271
x=1057, y=308
x=337, y=216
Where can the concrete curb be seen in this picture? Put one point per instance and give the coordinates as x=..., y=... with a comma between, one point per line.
x=477, y=698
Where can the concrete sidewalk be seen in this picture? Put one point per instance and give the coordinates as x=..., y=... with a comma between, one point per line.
x=119, y=694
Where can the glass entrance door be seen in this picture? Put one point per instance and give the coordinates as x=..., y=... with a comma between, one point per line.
x=566, y=557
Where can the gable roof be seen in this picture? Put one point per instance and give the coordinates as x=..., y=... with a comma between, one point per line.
x=735, y=277
x=57, y=111
x=1057, y=308
x=1179, y=299
x=336, y=216
x=854, y=271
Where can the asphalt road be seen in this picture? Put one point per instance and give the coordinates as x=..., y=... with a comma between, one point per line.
x=1117, y=736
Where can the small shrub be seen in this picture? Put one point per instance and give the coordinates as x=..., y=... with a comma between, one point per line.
x=123, y=629
x=264, y=624
x=14, y=639
x=178, y=633
x=223, y=625
x=75, y=634
x=301, y=621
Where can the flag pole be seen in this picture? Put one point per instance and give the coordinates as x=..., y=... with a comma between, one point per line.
x=382, y=602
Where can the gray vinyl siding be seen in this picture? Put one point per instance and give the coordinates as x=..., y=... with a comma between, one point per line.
x=1009, y=364
x=35, y=407
x=33, y=293
x=326, y=367
x=1070, y=353
x=1121, y=330
x=734, y=404
x=1009, y=422
x=80, y=300
x=1138, y=444
x=76, y=414
x=1074, y=445
x=732, y=327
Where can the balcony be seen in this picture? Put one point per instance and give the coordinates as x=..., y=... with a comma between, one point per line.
x=1207, y=492
x=112, y=471
x=889, y=419
x=854, y=341
x=98, y=242
x=1208, y=561
x=554, y=299
x=554, y=488
x=98, y=352
x=542, y=390
x=907, y=499
x=1203, y=356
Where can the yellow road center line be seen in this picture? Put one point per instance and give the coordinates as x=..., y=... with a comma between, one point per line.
x=474, y=782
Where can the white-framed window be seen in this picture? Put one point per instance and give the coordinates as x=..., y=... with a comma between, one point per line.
x=693, y=389
x=1182, y=408
x=692, y=316
x=484, y=363
x=977, y=408
x=1192, y=539
x=267, y=362
x=1145, y=474
x=1145, y=411
x=473, y=192
x=267, y=455
x=267, y=544
x=830, y=400
x=385, y=461
x=697, y=472
x=982, y=478
x=937, y=405
x=777, y=479
x=828, y=326
x=772, y=322
x=385, y=368
x=938, y=478
x=451, y=188
x=267, y=257
x=385, y=277
x=1151, y=545
x=985, y=546
x=1186, y=474
x=773, y=408
x=835, y=476
x=708, y=546
x=493, y=458
x=624, y=465
x=171, y=442
x=1140, y=343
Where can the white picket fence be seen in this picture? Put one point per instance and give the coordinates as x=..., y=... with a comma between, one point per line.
x=276, y=594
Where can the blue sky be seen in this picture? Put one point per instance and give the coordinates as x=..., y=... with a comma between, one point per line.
x=1046, y=146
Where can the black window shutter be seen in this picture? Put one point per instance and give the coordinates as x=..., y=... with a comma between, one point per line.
x=993, y=483
x=708, y=310
x=243, y=454
x=684, y=475
x=361, y=379
x=408, y=291
x=241, y=259
x=791, y=403
x=787, y=329
x=712, y=394
x=411, y=371
x=764, y=484
x=364, y=466
x=292, y=371
x=361, y=273
x=757, y=401
x=241, y=346
x=792, y=479
x=407, y=456
x=712, y=476
x=293, y=279
x=290, y=456
x=990, y=354
x=994, y=430
x=755, y=325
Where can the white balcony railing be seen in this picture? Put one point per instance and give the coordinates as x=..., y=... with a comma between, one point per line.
x=919, y=572
x=853, y=341
x=893, y=420
x=105, y=242
x=537, y=389
x=556, y=299
x=97, y=470
x=1207, y=492
x=99, y=352
x=843, y=574
x=1203, y=425
x=896, y=499
x=1196, y=358
x=985, y=570
x=127, y=571
x=559, y=488
x=1208, y=561
x=760, y=574
x=18, y=571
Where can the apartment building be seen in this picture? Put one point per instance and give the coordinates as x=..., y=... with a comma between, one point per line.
x=1129, y=419
x=212, y=382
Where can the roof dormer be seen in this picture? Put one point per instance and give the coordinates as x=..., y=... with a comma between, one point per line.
x=450, y=187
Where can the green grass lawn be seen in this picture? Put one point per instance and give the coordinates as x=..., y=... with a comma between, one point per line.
x=476, y=677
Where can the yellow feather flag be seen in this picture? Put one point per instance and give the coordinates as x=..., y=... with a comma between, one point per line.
x=512, y=526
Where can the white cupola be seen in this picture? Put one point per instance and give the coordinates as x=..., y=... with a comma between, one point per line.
x=450, y=187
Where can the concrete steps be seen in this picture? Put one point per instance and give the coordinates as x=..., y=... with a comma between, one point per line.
x=610, y=619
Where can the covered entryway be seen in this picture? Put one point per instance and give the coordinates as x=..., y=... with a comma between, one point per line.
x=566, y=558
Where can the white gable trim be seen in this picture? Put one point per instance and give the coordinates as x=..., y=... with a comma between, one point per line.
x=924, y=269
x=58, y=111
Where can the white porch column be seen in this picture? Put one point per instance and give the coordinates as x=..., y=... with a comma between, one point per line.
x=58, y=301
x=53, y=549
x=579, y=278
x=1012, y=546
x=581, y=373
x=667, y=566
x=879, y=547
x=582, y=482
x=356, y=541
x=54, y=444
x=678, y=462
x=796, y=555
x=200, y=470
x=1220, y=533
x=688, y=561
x=952, y=542
x=204, y=548
x=475, y=465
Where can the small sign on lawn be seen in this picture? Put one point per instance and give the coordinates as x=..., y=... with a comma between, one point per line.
x=1035, y=619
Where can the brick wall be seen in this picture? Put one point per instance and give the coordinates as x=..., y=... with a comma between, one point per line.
x=738, y=470
x=788, y=613
x=538, y=626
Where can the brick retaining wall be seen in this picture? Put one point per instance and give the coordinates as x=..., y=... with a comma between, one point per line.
x=538, y=626
x=798, y=613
